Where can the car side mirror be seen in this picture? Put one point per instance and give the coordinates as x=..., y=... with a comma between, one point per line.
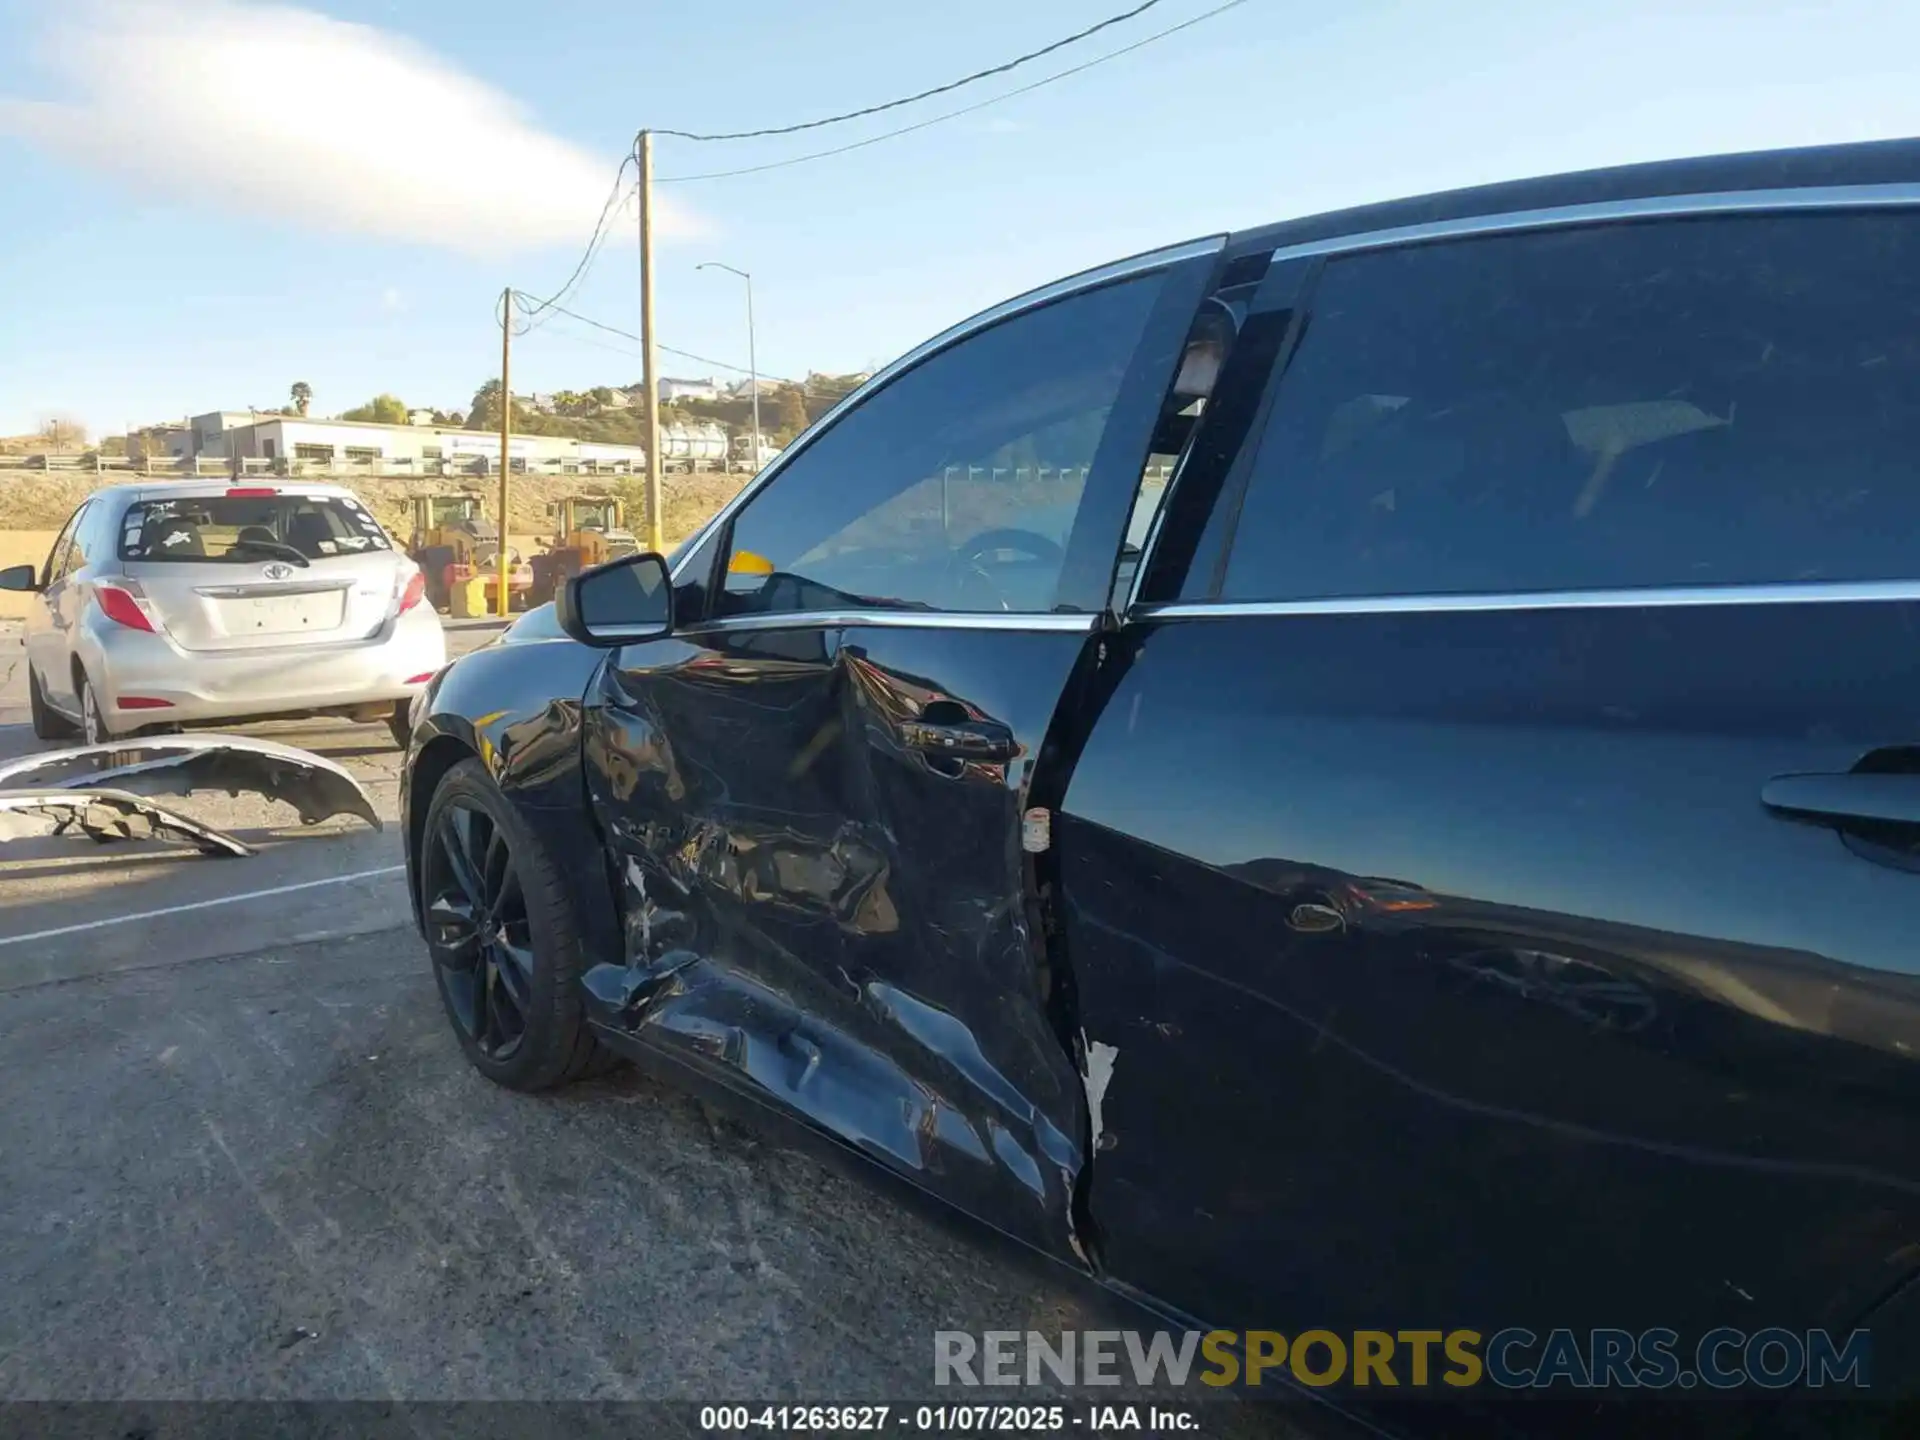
x=619, y=603
x=20, y=577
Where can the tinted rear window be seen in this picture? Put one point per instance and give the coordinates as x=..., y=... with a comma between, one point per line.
x=1687, y=402
x=249, y=529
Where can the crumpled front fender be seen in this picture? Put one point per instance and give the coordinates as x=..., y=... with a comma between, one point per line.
x=184, y=764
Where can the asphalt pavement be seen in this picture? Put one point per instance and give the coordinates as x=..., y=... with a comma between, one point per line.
x=69, y=909
x=244, y=1159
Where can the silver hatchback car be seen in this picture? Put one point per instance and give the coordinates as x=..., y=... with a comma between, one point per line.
x=169, y=604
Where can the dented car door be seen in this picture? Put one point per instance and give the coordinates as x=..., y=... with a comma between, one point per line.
x=814, y=788
x=1490, y=880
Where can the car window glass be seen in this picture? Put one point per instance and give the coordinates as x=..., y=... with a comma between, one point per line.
x=71, y=560
x=1700, y=401
x=252, y=529
x=1146, y=504
x=92, y=537
x=1209, y=341
x=956, y=486
x=56, y=566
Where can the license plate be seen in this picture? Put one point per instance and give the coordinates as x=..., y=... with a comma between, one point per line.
x=283, y=614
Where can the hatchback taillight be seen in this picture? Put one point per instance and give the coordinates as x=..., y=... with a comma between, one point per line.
x=122, y=606
x=415, y=592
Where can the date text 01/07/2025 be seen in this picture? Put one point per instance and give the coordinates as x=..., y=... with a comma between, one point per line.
x=1005, y=1419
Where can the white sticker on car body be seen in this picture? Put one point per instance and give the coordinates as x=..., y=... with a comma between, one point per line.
x=1099, y=1075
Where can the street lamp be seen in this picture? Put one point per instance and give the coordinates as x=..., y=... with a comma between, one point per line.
x=753, y=366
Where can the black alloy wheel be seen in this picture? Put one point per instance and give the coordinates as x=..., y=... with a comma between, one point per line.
x=503, y=940
x=481, y=937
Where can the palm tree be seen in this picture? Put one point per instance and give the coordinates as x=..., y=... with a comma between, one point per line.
x=302, y=394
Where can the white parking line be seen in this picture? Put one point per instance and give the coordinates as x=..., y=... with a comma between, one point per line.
x=203, y=905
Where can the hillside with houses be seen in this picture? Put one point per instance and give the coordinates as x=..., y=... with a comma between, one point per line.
x=615, y=414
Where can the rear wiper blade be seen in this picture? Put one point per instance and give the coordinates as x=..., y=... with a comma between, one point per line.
x=272, y=547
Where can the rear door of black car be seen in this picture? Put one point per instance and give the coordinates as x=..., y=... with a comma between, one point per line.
x=815, y=788
x=1492, y=883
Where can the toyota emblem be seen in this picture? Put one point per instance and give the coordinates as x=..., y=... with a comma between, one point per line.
x=279, y=572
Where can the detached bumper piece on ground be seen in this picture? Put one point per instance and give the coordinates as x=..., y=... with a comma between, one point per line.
x=107, y=816
x=102, y=791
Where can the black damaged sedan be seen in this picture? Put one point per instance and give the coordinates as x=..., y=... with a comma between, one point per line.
x=1363, y=774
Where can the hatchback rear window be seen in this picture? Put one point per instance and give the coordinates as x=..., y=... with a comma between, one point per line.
x=249, y=529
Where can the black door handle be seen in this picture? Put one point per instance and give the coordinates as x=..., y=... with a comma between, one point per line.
x=1883, y=798
x=960, y=740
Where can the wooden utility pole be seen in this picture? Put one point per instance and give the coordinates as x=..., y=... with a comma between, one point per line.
x=656, y=539
x=506, y=435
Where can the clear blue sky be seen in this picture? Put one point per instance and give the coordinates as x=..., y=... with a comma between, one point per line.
x=208, y=200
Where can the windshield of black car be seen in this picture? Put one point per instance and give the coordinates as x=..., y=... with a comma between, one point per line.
x=243, y=529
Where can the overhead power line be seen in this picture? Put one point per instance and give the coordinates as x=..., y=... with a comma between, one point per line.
x=533, y=308
x=500, y=313
x=950, y=114
x=683, y=354
x=601, y=231
x=816, y=391
x=601, y=345
x=977, y=75
x=531, y=311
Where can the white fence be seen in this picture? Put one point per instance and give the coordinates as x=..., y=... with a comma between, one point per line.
x=208, y=467
x=386, y=467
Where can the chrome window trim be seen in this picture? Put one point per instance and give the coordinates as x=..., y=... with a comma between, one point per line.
x=1005, y=310
x=1646, y=597
x=1652, y=207
x=893, y=620
x=1901, y=195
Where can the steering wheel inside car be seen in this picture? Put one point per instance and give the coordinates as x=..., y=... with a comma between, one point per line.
x=968, y=570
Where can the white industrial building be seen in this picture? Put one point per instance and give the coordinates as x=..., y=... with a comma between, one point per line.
x=292, y=444
x=672, y=389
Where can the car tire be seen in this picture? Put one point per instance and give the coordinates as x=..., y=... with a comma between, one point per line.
x=505, y=948
x=93, y=720
x=48, y=723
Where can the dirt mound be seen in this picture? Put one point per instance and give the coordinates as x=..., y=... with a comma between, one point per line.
x=42, y=500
